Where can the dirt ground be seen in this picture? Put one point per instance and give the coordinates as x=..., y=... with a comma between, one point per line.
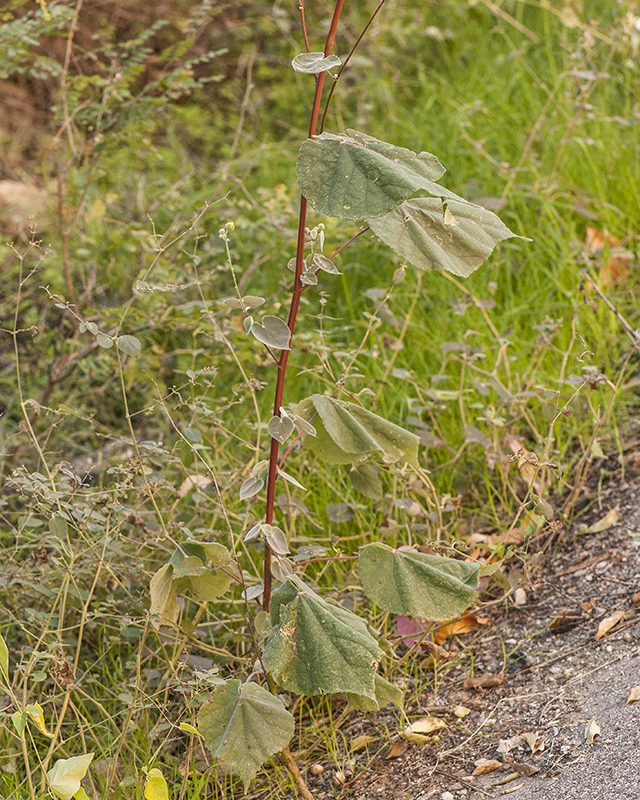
x=556, y=678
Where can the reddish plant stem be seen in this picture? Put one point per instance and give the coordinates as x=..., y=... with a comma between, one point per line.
x=293, y=313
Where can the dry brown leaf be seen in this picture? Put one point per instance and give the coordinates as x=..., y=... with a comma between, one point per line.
x=592, y=731
x=417, y=738
x=635, y=599
x=605, y=626
x=466, y=625
x=513, y=788
x=363, y=741
x=397, y=749
x=565, y=623
x=608, y=521
x=438, y=653
x=512, y=776
x=634, y=695
x=484, y=682
x=425, y=725
x=534, y=741
x=525, y=769
x=461, y=711
x=487, y=766
x=505, y=745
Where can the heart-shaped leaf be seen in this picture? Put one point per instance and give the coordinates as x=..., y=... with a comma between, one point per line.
x=276, y=539
x=244, y=724
x=416, y=584
x=65, y=775
x=156, y=787
x=280, y=428
x=354, y=176
x=313, y=63
x=251, y=487
x=273, y=332
x=417, y=230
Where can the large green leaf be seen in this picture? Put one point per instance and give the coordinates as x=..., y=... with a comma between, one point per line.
x=243, y=725
x=354, y=176
x=416, y=584
x=317, y=647
x=346, y=432
x=65, y=775
x=385, y=693
x=365, y=480
x=453, y=235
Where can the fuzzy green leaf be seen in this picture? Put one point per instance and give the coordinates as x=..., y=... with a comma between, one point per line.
x=129, y=345
x=421, y=232
x=416, y=584
x=354, y=176
x=385, y=693
x=346, y=432
x=164, y=598
x=243, y=726
x=317, y=647
x=314, y=63
x=273, y=332
x=365, y=480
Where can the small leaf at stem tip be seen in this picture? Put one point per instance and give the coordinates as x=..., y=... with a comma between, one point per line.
x=314, y=63
x=272, y=331
x=323, y=263
x=129, y=345
x=280, y=428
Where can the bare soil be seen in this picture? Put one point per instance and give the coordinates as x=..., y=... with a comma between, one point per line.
x=556, y=677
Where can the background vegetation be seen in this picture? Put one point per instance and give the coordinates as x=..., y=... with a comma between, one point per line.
x=137, y=133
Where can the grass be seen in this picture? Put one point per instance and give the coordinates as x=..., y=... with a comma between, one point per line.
x=548, y=126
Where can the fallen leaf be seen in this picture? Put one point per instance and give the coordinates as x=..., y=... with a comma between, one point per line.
x=513, y=788
x=634, y=695
x=418, y=738
x=635, y=599
x=608, y=521
x=609, y=622
x=484, y=682
x=592, y=731
x=461, y=711
x=534, y=741
x=512, y=776
x=565, y=623
x=363, y=741
x=487, y=766
x=397, y=749
x=525, y=769
x=466, y=625
x=425, y=725
x=505, y=745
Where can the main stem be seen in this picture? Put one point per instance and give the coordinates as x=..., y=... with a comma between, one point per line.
x=293, y=314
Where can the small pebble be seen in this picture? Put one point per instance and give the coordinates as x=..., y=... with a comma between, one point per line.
x=340, y=778
x=446, y=796
x=317, y=769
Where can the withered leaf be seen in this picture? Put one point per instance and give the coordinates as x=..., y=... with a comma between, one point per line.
x=425, y=725
x=397, y=749
x=525, y=769
x=512, y=776
x=484, y=682
x=592, y=731
x=534, y=741
x=609, y=622
x=565, y=623
x=487, y=766
x=513, y=788
x=634, y=695
x=363, y=741
x=608, y=521
x=461, y=711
